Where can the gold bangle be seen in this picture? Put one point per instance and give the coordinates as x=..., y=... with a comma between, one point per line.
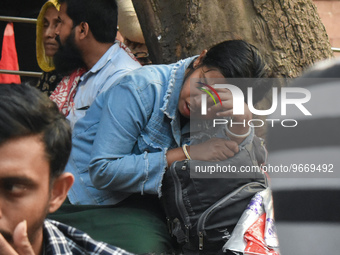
x=184, y=147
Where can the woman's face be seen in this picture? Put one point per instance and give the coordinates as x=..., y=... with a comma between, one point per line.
x=189, y=102
x=51, y=22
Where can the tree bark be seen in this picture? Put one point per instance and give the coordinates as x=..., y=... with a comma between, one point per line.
x=288, y=32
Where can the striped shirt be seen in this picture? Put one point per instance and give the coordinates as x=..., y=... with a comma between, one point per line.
x=306, y=188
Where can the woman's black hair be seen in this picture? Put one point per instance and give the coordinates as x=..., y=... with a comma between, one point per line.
x=239, y=59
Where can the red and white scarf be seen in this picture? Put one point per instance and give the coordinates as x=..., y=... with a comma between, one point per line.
x=64, y=93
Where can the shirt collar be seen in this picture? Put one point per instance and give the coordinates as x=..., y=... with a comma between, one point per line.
x=102, y=61
x=54, y=240
x=61, y=239
x=171, y=97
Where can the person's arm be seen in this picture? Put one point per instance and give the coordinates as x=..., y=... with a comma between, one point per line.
x=176, y=155
x=113, y=165
x=214, y=149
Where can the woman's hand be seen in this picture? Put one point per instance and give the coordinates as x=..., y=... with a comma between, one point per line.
x=215, y=149
x=224, y=108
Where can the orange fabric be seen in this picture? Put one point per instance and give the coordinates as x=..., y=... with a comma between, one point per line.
x=9, y=57
x=254, y=237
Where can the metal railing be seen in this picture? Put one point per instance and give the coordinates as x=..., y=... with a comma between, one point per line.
x=21, y=20
x=34, y=21
x=18, y=19
x=21, y=73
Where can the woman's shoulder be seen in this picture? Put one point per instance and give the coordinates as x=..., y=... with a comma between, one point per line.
x=146, y=76
x=147, y=83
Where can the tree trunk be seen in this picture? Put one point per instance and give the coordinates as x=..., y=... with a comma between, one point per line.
x=288, y=32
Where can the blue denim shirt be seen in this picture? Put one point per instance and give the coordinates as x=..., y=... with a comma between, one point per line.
x=120, y=146
x=115, y=63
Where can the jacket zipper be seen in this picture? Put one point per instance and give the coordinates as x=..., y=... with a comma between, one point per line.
x=178, y=198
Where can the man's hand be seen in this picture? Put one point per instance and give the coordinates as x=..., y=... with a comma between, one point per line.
x=21, y=242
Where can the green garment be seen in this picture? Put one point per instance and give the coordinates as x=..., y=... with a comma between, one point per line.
x=137, y=224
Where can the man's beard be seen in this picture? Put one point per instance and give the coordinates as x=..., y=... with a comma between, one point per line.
x=68, y=57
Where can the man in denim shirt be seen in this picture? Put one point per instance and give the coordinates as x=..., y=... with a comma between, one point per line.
x=87, y=38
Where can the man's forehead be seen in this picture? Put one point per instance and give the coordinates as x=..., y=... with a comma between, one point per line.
x=51, y=14
x=23, y=157
x=63, y=11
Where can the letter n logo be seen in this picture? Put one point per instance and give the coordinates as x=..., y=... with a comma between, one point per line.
x=238, y=97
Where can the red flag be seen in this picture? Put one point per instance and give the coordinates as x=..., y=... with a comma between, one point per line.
x=9, y=57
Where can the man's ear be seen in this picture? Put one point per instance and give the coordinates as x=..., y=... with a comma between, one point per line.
x=199, y=60
x=60, y=187
x=83, y=30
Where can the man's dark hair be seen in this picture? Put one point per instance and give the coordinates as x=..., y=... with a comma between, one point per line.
x=239, y=59
x=101, y=16
x=25, y=111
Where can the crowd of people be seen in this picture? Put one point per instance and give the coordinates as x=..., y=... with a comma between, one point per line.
x=126, y=124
